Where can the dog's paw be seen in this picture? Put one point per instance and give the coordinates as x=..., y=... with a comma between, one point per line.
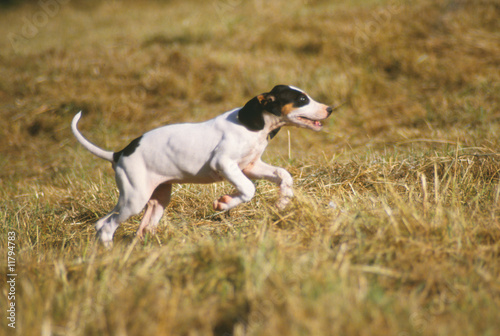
x=107, y=244
x=151, y=230
x=141, y=233
x=222, y=203
x=283, y=202
x=105, y=238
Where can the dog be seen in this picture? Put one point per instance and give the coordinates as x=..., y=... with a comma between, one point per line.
x=227, y=147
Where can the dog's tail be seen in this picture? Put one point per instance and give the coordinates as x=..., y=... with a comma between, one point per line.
x=103, y=154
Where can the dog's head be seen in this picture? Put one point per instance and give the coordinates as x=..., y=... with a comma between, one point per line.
x=291, y=105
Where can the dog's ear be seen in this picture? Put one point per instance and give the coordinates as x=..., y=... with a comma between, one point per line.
x=250, y=115
x=270, y=103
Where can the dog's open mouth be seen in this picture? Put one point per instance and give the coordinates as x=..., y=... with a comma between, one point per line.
x=316, y=124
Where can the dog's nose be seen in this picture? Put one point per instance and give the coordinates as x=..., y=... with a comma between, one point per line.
x=329, y=110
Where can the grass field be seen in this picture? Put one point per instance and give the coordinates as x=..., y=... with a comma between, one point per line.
x=394, y=229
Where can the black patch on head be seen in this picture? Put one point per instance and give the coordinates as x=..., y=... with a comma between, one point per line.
x=286, y=95
x=302, y=100
x=127, y=151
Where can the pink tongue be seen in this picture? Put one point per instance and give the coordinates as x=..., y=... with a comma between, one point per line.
x=317, y=123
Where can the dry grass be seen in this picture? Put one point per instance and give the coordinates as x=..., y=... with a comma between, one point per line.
x=395, y=227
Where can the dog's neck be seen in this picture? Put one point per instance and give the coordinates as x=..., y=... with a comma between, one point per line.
x=272, y=122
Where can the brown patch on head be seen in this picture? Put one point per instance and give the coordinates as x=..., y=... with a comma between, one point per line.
x=287, y=109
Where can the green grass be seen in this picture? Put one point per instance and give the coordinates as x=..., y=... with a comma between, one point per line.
x=394, y=229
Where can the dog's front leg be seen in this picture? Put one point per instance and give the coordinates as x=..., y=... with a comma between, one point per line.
x=277, y=175
x=245, y=188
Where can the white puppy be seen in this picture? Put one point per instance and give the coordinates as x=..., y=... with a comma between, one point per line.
x=226, y=147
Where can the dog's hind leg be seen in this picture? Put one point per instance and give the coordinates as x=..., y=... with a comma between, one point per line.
x=154, y=209
x=130, y=202
x=107, y=225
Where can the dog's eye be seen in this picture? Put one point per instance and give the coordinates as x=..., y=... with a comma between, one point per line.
x=303, y=99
